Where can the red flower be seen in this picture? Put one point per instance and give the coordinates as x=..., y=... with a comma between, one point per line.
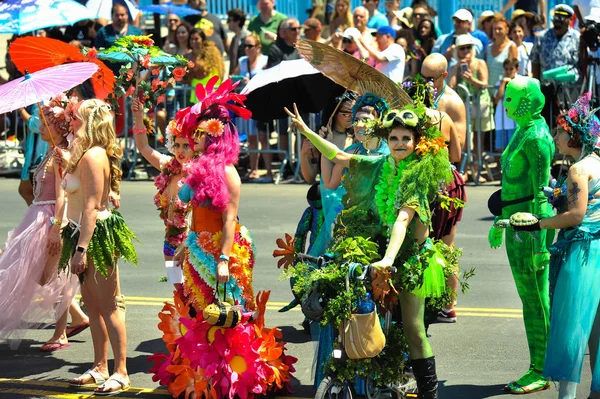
x=190, y=64
x=92, y=53
x=129, y=75
x=179, y=73
x=145, y=61
x=130, y=91
x=165, y=85
x=155, y=72
x=160, y=99
x=156, y=83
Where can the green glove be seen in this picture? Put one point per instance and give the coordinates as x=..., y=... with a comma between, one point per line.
x=327, y=148
x=541, y=260
x=495, y=237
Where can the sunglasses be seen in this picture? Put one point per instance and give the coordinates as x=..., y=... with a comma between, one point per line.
x=345, y=113
x=431, y=78
x=173, y=20
x=296, y=29
x=465, y=48
x=406, y=118
x=249, y=45
x=561, y=17
x=347, y=41
x=420, y=15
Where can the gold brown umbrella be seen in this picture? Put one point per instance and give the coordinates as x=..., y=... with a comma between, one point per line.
x=352, y=73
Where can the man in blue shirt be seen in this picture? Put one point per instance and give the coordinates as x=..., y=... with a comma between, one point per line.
x=445, y=44
x=376, y=19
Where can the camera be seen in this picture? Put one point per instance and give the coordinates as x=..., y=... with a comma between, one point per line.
x=591, y=34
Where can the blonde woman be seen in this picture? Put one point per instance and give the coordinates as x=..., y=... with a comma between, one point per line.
x=207, y=60
x=341, y=18
x=96, y=237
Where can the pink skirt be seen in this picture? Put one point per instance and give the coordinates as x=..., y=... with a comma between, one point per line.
x=24, y=303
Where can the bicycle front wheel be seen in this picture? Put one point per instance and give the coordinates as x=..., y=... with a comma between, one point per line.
x=331, y=388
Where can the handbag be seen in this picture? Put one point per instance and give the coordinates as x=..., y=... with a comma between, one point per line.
x=361, y=334
x=222, y=313
x=311, y=305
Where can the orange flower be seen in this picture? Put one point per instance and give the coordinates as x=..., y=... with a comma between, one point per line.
x=433, y=145
x=155, y=72
x=92, y=53
x=190, y=64
x=145, y=61
x=214, y=127
x=155, y=84
x=175, y=128
x=190, y=381
x=287, y=251
x=179, y=73
x=170, y=326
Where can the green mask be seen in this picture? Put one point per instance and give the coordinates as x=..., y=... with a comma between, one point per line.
x=523, y=99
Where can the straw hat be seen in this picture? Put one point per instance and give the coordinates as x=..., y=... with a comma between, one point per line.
x=487, y=14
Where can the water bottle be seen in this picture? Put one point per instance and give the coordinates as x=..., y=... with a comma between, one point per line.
x=366, y=305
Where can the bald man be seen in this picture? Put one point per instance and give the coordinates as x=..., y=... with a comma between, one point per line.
x=434, y=69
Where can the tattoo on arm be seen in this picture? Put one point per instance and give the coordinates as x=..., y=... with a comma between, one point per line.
x=573, y=193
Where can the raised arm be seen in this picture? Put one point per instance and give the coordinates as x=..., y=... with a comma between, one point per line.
x=327, y=149
x=141, y=139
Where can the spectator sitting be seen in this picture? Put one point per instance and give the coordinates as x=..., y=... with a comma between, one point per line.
x=554, y=48
x=341, y=18
x=266, y=23
x=236, y=19
x=500, y=50
x=505, y=127
x=120, y=26
x=207, y=60
x=389, y=57
x=517, y=34
x=376, y=19
x=170, y=41
x=248, y=66
x=446, y=44
x=349, y=44
x=526, y=20
x=312, y=30
x=484, y=23
x=82, y=34
x=209, y=23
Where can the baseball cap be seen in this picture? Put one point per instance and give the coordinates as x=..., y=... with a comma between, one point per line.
x=563, y=9
x=312, y=23
x=385, y=30
x=463, y=15
x=351, y=33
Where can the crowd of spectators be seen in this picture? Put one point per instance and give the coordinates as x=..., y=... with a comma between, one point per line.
x=395, y=41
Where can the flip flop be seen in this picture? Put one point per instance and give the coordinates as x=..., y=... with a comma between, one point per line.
x=73, y=331
x=116, y=378
x=53, y=346
x=96, y=378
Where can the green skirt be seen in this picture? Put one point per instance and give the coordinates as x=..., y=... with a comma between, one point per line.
x=112, y=239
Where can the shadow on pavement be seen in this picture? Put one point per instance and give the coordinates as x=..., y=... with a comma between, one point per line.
x=28, y=357
x=294, y=335
x=470, y=391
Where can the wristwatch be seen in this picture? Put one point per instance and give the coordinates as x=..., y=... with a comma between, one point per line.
x=81, y=249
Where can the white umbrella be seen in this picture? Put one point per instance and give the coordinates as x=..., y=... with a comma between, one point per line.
x=21, y=16
x=102, y=8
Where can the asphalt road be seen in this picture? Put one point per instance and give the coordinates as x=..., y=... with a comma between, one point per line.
x=484, y=350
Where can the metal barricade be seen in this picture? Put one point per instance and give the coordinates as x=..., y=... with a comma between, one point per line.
x=12, y=146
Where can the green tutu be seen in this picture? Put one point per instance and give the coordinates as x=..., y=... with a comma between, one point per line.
x=112, y=239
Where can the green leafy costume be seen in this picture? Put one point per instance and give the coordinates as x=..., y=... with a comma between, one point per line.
x=526, y=163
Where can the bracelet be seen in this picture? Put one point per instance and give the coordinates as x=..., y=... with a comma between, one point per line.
x=140, y=130
x=54, y=221
x=81, y=249
x=224, y=257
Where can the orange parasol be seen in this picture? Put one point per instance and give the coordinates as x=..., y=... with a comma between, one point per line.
x=352, y=73
x=36, y=53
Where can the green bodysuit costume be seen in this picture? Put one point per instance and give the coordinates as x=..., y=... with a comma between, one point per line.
x=526, y=163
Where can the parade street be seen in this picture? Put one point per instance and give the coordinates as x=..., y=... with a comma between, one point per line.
x=475, y=357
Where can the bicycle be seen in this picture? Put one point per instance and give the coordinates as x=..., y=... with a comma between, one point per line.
x=334, y=387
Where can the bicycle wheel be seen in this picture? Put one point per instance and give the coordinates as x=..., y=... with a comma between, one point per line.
x=334, y=389
x=371, y=389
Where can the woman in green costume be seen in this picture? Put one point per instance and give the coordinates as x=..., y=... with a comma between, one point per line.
x=403, y=184
x=526, y=163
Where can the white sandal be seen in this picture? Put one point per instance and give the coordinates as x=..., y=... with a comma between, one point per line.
x=96, y=377
x=119, y=380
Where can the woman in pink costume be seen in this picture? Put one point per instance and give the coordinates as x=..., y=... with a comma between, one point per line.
x=32, y=292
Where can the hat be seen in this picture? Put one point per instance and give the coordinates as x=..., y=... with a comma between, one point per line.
x=351, y=33
x=312, y=23
x=518, y=13
x=563, y=9
x=385, y=30
x=464, y=40
x=487, y=14
x=463, y=15
x=400, y=16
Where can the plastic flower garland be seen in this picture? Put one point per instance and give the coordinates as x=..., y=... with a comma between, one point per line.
x=176, y=227
x=172, y=131
x=216, y=362
x=138, y=53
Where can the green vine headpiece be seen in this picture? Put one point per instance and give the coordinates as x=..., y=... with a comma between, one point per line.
x=420, y=90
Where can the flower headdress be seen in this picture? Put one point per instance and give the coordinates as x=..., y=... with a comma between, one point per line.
x=58, y=112
x=580, y=119
x=370, y=100
x=189, y=118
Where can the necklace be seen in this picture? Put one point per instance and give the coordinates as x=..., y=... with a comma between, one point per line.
x=437, y=100
x=43, y=168
x=387, y=189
